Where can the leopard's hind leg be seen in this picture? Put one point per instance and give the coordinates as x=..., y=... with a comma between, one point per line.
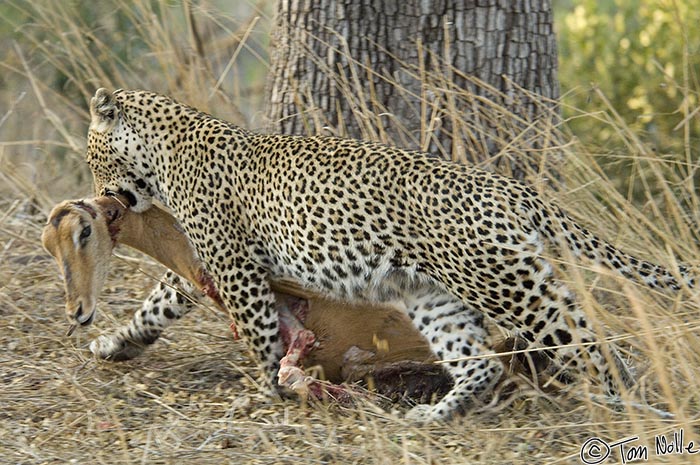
x=457, y=335
x=523, y=296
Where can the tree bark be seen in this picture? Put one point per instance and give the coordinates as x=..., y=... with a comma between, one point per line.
x=469, y=80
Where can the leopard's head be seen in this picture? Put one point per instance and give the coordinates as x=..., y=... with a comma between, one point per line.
x=118, y=155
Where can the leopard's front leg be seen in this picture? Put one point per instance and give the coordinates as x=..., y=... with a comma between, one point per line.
x=246, y=292
x=164, y=306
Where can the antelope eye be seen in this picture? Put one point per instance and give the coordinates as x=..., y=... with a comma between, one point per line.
x=85, y=233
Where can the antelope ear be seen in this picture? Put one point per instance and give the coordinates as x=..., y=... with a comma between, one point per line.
x=112, y=208
x=103, y=111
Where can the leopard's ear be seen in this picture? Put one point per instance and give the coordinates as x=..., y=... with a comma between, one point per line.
x=103, y=111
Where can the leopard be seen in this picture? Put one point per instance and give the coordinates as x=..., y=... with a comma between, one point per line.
x=363, y=221
x=338, y=342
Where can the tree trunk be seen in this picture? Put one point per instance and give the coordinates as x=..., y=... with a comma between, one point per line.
x=470, y=80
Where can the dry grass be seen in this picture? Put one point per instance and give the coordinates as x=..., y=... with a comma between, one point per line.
x=193, y=398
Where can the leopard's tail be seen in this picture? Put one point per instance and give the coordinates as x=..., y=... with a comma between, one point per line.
x=563, y=231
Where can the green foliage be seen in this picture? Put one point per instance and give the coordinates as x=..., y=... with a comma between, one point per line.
x=636, y=58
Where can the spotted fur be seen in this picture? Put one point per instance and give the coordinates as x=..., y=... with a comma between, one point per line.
x=359, y=220
x=350, y=342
